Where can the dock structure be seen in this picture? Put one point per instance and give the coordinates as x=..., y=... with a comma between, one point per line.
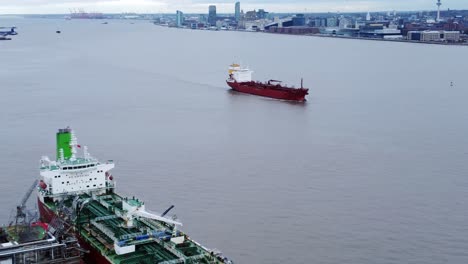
x=47, y=250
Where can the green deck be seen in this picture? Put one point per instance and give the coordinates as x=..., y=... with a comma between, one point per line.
x=100, y=225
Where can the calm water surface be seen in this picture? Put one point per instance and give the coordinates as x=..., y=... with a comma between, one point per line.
x=372, y=169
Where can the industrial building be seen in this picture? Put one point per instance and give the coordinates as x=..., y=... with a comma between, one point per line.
x=434, y=35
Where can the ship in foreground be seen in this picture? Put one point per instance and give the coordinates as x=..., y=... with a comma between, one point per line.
x=77, y=194
x=240, y=80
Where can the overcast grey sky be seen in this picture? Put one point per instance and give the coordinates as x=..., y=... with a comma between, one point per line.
x=224, y=6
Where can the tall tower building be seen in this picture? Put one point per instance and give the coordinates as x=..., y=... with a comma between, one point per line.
x=368, y=17
x=237, y=11
x=179, y=18
x=212, y=15
x=438, y=10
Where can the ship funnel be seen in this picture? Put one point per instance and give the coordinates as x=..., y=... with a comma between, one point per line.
x=64, y=137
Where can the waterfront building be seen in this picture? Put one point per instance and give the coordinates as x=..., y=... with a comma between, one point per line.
x=179, y=18
x=344, y=23
x=294, y=30
x=332, y=22
x=251, y=15
x=202, y=18
x=212, y=15
x=262, y=14
x=237, y=11
x=320, y=22
x=299, y=20
x=430, y=36
x=452, y=36
x=434, y=35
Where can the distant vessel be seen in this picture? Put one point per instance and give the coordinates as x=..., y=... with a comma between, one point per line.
x=240, y=79
x=78, y=194
x=5, y=33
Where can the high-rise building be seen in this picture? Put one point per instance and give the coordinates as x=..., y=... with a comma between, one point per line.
x=262, y=14
x=212, y=15
x=179, y=18
x=237, y=11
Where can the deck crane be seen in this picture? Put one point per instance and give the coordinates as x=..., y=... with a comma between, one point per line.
x=20, y=217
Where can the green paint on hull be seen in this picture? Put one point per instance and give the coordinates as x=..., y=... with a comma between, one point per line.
x=63, y=142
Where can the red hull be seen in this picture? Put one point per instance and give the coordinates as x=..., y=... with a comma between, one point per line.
x=93, y=256
x=272, y=91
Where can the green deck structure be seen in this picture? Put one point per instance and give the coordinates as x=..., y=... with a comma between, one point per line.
x=101, y=225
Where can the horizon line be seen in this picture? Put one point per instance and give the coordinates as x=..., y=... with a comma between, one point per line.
x=198, y=13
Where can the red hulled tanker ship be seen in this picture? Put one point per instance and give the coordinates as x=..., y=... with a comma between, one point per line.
x=240, y=80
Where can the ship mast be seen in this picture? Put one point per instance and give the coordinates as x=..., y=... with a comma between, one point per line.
x=73, y=144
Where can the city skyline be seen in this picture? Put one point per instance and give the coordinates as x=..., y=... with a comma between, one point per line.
x=223, y=6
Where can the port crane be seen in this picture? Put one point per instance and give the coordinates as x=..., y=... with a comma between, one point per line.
x=21, y=213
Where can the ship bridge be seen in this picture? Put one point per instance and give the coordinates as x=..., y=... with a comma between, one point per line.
x=73, y=174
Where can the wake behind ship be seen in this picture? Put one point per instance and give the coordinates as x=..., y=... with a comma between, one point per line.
x=240, y=80
x=77, y=194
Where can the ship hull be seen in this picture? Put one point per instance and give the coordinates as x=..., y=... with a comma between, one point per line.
x=271, y=91
x=94, y=256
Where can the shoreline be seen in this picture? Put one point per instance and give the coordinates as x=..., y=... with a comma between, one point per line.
x=339, y=37
x=387, y=40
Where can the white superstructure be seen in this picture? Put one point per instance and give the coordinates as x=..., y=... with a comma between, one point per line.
x=239, y=74
x=75, y=175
